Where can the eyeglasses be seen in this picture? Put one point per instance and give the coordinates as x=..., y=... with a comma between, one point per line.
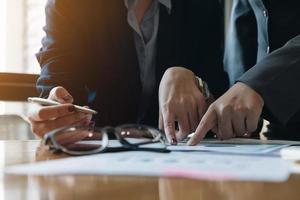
x=84, y=140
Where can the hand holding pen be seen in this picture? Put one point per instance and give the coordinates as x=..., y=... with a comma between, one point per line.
x=58, y=112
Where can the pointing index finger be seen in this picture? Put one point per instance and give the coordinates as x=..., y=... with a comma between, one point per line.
x=206, y=124
x=169, y=127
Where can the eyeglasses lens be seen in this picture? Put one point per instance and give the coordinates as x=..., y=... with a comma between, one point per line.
x=80, y=139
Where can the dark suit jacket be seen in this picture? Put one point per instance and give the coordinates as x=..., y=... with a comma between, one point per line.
x=264, y=38
x=89, y=49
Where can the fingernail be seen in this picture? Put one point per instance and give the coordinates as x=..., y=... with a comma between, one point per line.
x=190, y=143
x=71, y=108
x=67, y=98
x=173, y=141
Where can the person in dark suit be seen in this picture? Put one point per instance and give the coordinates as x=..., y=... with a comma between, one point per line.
x=111, y=55
x=263, y=62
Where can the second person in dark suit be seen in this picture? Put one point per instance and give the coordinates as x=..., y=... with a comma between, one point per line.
x=263, y=62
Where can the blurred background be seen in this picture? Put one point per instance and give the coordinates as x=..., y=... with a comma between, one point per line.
x=21, y=23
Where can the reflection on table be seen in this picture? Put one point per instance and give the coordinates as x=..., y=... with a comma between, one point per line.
x=124, y=187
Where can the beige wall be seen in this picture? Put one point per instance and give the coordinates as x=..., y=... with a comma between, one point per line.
x=14, y=37
x=2, y=33
x=21, y=23
x=35, y=20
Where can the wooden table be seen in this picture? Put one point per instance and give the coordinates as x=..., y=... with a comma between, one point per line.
x=117, y=187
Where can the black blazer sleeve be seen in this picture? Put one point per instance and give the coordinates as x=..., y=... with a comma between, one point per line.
x=277, y=79
x=61, y=56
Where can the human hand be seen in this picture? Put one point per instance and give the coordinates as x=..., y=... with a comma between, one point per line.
x=236, y=113
x=181, y=101
x=48, y=118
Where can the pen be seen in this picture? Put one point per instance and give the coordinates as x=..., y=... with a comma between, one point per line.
x=47, y=102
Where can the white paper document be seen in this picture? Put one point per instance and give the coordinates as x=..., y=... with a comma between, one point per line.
x=236, y=146
x=258, y=149
x=233, y=146
x=175, y=164
x=292, y=154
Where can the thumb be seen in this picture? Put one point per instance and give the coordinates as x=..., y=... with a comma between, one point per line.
x=60, y=95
